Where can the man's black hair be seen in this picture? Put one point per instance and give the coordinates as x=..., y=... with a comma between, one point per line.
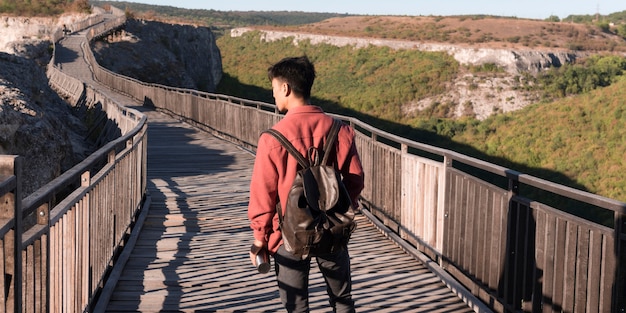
x=297, y=72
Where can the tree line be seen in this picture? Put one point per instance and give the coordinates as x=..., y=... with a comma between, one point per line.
x=43, y=7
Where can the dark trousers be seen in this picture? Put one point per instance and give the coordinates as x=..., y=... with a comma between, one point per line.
x=292, y=275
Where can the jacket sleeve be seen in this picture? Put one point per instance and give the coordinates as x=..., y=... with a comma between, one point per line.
x=263, y=192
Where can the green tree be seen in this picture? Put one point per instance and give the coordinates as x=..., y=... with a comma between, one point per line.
x=621, y=30
x=553, y=18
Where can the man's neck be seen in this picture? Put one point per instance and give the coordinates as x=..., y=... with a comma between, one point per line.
x=296, y=102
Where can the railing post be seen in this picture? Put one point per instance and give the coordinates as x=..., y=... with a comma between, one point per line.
x=111, y=157
x=443, y=230
x=11, y=208
x=514, y=186
x=619, y=302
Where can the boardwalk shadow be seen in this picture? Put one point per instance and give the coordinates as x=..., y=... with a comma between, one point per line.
x=65, y=55
x=179, y=160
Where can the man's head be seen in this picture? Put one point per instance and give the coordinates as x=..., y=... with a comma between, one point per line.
x=298, y=73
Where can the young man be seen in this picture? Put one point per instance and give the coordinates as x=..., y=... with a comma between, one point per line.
x=304, y=125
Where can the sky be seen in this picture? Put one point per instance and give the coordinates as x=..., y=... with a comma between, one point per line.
x=535, y=9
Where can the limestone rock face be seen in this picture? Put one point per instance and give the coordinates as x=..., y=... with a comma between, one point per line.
x=40, y=126
x=17, y=31
x=514, y=61
x=467, y=95
x=36, y=123
x=182, y=56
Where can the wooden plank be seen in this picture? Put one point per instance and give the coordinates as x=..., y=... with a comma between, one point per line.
x=83, y=209
x=559, y=263
x=506, y=285
x=55, y=276
x=469, y=238
x=594, y=272
x=3, y=273
x=454, y=217
x=569, y=271
x=608, y=274
x=484, y=238
x=459, y=217
x=29, y=279
x=582, y=269
x=549, y=269
x=494, y=249
x=529, y=274
x=538, y=255
x=40, y=276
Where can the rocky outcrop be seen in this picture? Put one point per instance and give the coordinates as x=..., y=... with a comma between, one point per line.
x=182, y=56
x=36, y=123
x=19, y=32
x=513, y=61
x=478, y=96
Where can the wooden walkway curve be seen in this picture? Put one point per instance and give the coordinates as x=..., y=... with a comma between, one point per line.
x=188, y=252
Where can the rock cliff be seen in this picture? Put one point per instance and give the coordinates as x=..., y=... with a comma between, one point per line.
x=513, y=61
x=479, y=96
x=40, y=126
x=182, y=56
x=35, y=122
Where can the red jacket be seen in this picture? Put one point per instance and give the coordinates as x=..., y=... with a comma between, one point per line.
x=274, y=169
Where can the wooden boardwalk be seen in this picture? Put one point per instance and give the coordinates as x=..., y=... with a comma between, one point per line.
x=192, y=252
x=189, y=249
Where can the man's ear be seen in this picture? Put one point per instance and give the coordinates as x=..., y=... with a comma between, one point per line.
x=286, y=89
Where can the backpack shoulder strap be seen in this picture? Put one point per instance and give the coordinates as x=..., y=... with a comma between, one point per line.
x=331, y=138
x=290, y=148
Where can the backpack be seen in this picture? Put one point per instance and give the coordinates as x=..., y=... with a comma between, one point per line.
x=319, y=218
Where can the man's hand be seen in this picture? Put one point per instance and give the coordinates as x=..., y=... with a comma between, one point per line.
x=254, y=250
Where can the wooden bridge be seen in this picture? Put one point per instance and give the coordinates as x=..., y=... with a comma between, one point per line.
x=431, y=238
x=189, y=251
x=192, y=251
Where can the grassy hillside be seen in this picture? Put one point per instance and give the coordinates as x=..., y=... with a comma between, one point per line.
x=581, y=136
x=578, y=140
x=377, y=80
x=577, y=32
x=478, y=30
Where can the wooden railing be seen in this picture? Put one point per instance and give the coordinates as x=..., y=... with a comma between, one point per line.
x=78, y=226
x=59, y=243
x=73, y=228
x=10, y=224
x=509, y=249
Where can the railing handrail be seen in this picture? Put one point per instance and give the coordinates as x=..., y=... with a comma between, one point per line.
x=584, y=196
x=41, y=195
